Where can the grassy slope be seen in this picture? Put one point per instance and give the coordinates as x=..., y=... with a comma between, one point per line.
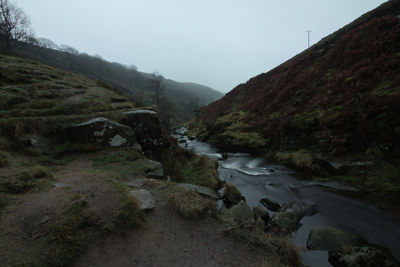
x=129, y=81
x=340, y=98
x=38, y=99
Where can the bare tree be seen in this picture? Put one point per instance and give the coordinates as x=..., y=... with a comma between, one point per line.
x=14, y=24
x=157, y=85
x=47, y=43
x=68, y=49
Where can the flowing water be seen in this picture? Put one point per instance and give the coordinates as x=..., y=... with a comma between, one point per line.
x=256, y=179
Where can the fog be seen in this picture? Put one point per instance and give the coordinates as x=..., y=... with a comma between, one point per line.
x=218, y=43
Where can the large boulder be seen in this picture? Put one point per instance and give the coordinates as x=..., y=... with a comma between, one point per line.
x=331, y=239
x=238, y=215
x=202, y=190
x=145, y=199
x=288, y=217
x=299, y=209
x=146, y=124
x=370, y=256
x=102, y=131
x=270, y=204
x=152, y=168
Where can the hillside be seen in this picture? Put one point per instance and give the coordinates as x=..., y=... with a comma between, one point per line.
x=338, y=99
x=75, y=181
x=179, y=99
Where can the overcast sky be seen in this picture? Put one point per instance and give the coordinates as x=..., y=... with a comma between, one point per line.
x=219, y=43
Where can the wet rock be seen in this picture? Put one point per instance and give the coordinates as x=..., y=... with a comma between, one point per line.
x=102, y=131
x=269, y=204
x=288, y=217
x=225, y=156
x=363, y=256
x=232, y=195
x=145, y=199
x=238, y=215
x=299, y=209
x=284, y=221
x=331, y=239
x=191, y=138
x=259, y=212
x=152, y=168
x=202, y=190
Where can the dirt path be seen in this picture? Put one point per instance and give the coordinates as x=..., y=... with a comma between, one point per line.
x=164, y=239
x=167, y=240
x=27, y=222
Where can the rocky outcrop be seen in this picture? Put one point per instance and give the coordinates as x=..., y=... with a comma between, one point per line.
x=145, y=199
x=146, y=125
x=102, y=131
x=363, y=256
x=288, y=217
x=202, y=190
x=331, y=239
x=347, y=249
x=152, y=168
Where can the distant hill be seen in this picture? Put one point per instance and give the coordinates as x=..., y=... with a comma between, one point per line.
x=180, y=99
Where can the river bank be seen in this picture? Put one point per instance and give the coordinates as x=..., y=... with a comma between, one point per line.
x=256, y=179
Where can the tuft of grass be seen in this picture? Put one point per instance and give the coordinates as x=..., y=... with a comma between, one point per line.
x=188, y=204
x=232, y=196
x=201, y=171
x=3, y=158
x=283, y=250
x=24, y=179
x=129, y=215
x=68, y=235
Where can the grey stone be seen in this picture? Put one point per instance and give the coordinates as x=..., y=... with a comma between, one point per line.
x=145, y=199
x=289, y=215
x=202, y=190
x=331, y=239
x=140, y=111
x=117, y=141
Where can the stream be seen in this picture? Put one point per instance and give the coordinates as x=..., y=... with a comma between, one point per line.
x=256, y=179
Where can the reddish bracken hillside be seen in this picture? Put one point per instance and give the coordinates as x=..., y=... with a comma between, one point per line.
x=342, y=95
